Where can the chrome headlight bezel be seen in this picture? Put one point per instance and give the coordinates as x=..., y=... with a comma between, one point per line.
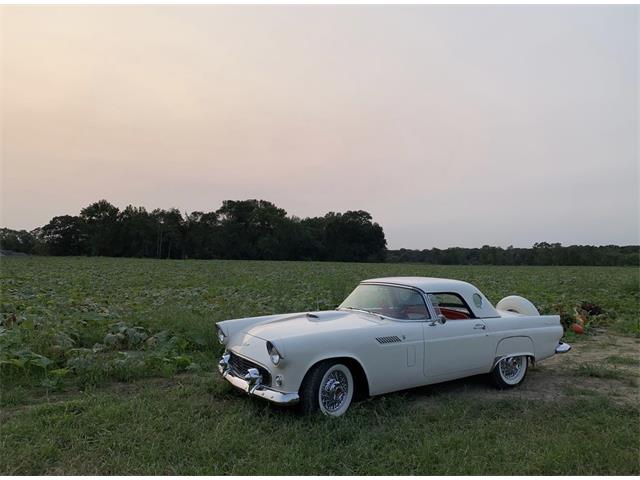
x=222, y=337
x=274, y=355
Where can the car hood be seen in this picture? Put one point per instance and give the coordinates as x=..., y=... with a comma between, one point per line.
x=295, y=324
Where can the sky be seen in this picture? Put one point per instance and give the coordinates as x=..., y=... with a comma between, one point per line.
x=451, y=125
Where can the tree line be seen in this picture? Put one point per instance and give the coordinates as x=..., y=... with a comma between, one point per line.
x=542, y=253
x=259, y=230
x=245, y=229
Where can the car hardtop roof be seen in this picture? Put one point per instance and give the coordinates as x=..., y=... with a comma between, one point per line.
x=477, y=302
x=427, y=284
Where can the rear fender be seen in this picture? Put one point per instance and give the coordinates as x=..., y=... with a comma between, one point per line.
x=514, y=347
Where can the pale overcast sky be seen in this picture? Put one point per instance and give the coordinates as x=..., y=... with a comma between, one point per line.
x=452, y=126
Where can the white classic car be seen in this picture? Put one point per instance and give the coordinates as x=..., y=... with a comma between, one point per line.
x=389, y=334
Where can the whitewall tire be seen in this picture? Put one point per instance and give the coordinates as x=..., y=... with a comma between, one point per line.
x=510, y=371
x=519, y=305
x=329, y=387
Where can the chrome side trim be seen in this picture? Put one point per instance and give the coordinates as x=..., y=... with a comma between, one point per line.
x=253, y=386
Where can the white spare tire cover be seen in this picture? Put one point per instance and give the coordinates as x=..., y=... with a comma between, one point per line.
x=521, y=305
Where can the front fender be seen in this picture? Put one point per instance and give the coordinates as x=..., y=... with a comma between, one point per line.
x=237, y=325
x=295, y=368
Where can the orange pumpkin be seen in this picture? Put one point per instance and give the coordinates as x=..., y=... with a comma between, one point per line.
x=577, y=328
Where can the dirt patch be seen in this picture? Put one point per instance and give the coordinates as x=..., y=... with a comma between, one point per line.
x=562, y=376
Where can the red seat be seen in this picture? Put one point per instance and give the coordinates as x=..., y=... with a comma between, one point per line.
x=451, y=314
x=416, y=310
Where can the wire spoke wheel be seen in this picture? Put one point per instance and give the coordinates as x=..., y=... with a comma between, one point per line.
x=336, y=390
x=512, y=369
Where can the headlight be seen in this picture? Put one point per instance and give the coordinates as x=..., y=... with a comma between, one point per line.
x=221, y=336
x=274, y=354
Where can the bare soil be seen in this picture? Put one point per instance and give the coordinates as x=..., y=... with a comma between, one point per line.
x=559, y=377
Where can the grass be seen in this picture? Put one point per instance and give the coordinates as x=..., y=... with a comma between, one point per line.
x=107, y=366
x=197, y=426
x=598, y=371
x=622, y=360
x=573, y=391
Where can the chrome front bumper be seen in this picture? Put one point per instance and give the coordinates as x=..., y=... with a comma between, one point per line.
x=563, y=347
x=252, y=384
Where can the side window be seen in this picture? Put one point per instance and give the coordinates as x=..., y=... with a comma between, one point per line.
x=451, y=306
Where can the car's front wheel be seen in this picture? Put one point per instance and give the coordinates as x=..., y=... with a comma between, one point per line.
x=328, y=387
x=510, y=371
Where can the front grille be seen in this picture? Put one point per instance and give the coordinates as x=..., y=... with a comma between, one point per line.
x=240, y=366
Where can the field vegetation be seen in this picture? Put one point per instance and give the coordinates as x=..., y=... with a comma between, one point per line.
x=108, y=366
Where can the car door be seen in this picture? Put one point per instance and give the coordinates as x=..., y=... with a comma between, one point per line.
x=458, y=347
x=393, y=351
x=403, y=353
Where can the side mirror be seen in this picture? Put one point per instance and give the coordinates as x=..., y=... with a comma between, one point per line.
x=440, y=320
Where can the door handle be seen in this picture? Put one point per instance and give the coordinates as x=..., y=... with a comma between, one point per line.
x=479, y=326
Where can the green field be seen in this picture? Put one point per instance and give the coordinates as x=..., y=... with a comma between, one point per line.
x=108, y=367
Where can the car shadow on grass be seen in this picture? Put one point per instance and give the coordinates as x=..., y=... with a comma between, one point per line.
x=477, y=384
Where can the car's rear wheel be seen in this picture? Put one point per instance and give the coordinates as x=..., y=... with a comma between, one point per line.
x=510, y=371
x=328, y=387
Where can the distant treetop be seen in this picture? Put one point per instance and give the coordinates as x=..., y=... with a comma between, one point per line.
x=239, y=229
x=259, y=230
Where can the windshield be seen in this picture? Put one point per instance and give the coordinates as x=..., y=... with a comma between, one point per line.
x=395, y=302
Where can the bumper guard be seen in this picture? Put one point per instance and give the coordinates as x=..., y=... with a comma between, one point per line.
x=563, y=347
x=252, y=384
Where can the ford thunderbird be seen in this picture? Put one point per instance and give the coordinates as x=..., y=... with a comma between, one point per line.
x=389, y=334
